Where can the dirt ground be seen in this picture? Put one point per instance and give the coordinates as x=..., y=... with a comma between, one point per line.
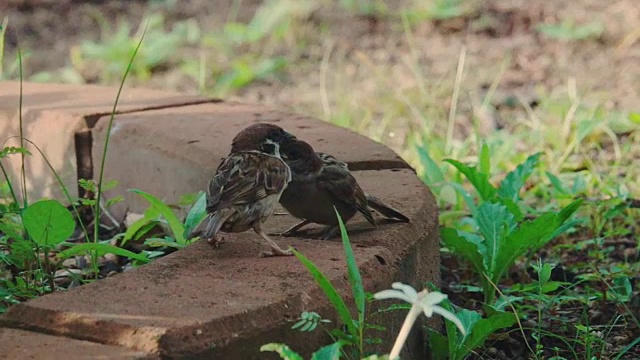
x=496, y=33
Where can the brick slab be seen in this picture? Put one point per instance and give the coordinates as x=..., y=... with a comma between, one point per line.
x=206, y=303
x=174, y=151
x=19, y=344
x=53, y=114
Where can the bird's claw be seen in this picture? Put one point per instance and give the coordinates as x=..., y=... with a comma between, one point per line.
x=216, y=241
x=276, y=252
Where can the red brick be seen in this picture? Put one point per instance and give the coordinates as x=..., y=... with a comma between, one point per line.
x=19, y=344
x=52, y=114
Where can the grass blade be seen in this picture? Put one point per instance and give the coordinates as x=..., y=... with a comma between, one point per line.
x=108, y=134
x=101, y=249
x=174, y=223
x=354, y=276
x=330, y=291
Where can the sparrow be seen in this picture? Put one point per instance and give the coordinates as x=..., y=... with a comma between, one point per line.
x=320, y=182
x=247, y=185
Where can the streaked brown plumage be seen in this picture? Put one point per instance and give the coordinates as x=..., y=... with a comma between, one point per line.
x=248, y=184
x=320, y=182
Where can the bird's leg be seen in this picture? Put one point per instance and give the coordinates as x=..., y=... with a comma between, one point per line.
x=294, y=229
x=331, y=231
x=275, y=249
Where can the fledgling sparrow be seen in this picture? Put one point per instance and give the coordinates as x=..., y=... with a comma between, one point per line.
x=247, y=185
x=320, y=182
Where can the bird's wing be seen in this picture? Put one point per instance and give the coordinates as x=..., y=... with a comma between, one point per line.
x=338, y=181
x=330, y=160
x=246, y=177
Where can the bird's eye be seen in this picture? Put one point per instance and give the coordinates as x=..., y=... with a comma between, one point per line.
x=269, y=148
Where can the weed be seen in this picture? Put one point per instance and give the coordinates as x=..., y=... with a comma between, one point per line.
x=30, y=232
x=113, y=51
x=159, y=213
x=568, y=30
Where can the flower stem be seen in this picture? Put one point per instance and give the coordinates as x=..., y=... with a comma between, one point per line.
x=404, y=331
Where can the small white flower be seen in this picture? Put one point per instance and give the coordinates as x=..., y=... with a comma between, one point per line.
x=421, y=302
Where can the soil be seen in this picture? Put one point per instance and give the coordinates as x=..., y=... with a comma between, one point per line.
x=500, y=37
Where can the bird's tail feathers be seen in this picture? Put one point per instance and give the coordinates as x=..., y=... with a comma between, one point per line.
x=385, y=210
x=210, y=225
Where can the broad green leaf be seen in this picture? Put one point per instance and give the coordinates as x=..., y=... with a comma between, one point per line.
x=462, y=247
x=495, y=223
x=48, y=222
x=283, y=350
x=329, y=352
x=331, y=293
x=101, y=249
x=485, y=159
x=352, y=270
x=479, y=180
x=634, y=117
x=527, y=237
x=174, y=224
x=516, y=179
x=197, y=212
x=485, y=327
x=468, y=318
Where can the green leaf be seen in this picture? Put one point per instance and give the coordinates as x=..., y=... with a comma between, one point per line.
x=485, y=160
x=516, y=179
x=557, y=183
x=197, y=212
x=495, y=223
x=485, y=327
x=462, y=247
x=12, y=150
x=138, y=226
x=529, y=236
x=101, y=249
x=439, y=345
x=329, y=352
x=283, y=350
x=634, y=117
x=352, y=270
x=479, y=180
x=331, y=293
x=432, y=173
x=48, y=222
x=468, y=318
x=177, y=229
x=569, y=210
x=166, y=241
x=544, y=273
